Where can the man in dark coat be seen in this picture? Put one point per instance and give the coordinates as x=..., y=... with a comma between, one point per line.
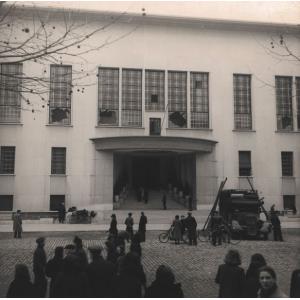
x=17, y=224
x=61, y=213
x=54, y=266
x=101, y=275
x=142, y=227
x=129, y=225
x=191, y=225
x=276, y=224
x=80, y=253
x=39, y=266
x=295, y=284
x=113, y=230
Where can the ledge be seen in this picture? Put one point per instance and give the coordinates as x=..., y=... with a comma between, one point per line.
x=287, y=131
x=243, y=130
x=7, y=174
x=58, y=125
x=197, y=129
x=118, y=127
x=58, y=175
x=18, y=124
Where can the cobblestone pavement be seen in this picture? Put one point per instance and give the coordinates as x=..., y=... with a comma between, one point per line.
x=194, y=267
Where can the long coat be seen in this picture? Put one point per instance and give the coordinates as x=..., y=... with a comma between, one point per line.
x=39, y=266
x=231, y=280
x=17, y=222
x=142, y=228
x=21, y=289
x=177, y=230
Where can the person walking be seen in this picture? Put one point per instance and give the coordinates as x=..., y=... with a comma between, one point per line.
x=129, y=225
x=21, y=286
x=61, y=212
x=17, y=224
x=177, y=230
x=39, y=267
x=164, y=285
x=268, y=284
x=216, y=228
x=191, y=225
x=295, y=284
x=54, y=266
x=251, y=284
x=113, y=230
x=101, y=274
x=230, y=276
x=164, y=201
x=276, y=224
x=142, y=227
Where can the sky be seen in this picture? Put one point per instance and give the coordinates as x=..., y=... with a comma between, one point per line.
x=257, y=11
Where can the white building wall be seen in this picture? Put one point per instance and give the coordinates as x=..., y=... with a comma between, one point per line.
x=164, y=46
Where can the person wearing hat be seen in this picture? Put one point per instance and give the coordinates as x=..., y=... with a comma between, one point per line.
x=142, y=227
x=113, y=230
x=39, y=267
x=80, y=253
x=129, y=225
x=191, y=225
x=101, y=274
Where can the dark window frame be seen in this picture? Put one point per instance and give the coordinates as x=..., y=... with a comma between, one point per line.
x=8, y=198
x=58, y=160
x=7, y=160
x=245, y=164
x=287, y=162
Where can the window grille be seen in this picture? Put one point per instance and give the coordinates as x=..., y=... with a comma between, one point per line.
x=287, y=163
x=131, y=97
x=58, y=160
x=155, y=126
x=10, y=92
x=60, y=94
x=289, y=202
x=242, y=101
x=55, y=201
x=244, y=163
x=7, y=164
x=6, y=202
x=108, y=93
x=284, y=103
x=298, y=101
x=177, y=99
x=199, y=100
x=155, y=90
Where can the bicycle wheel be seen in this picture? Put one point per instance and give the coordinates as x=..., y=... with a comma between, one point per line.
x=203, y=235
x=164, y=237
x=235, y=237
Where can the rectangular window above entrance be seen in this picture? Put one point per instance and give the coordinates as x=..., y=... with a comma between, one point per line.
x=155, y=126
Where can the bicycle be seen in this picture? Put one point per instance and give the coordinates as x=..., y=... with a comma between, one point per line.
x=164, y=237
x=227, y=235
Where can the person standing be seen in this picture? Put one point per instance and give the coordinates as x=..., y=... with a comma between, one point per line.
x=54, y=266
x=80, y=253
x=295, y=284
x=191, y=225
x=276, y=224
x=177, y=230
x=129, y=225
x=142, y=227
x=39, y=267
x=61, y=212
x=164, y=201
x=146, y=195
x=113, y=230
x=230, y=276
x=17, y=224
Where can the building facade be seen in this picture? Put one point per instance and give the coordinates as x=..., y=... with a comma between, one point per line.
x=166, y=102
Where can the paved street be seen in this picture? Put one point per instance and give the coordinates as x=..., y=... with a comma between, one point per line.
x=194, y=267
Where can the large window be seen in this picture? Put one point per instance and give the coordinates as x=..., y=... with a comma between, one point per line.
x=298, y=101
x=6, y=202
x=287, y=163
x=7, y=163
x=284, y=102
x=60, y=94
x=289, y=202
x=10, y=92
x=108, y=93
x=245, y=163
x=55, y=201
x=131, y=97
x=199, y=100
x=177, y=99
x=58, y=160
x=242, y=101
x=155, y=90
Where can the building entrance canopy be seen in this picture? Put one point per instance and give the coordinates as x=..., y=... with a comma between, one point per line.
x=153, y=143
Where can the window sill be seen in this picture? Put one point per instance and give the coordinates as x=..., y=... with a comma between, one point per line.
x=198, y=129
x=7, y=174
x=250, y=177
x=58, y=175
x=287, y=131
x=58, y=125
x=119, y=127
x=18, y=124
x=243, y=130
x=287, y=177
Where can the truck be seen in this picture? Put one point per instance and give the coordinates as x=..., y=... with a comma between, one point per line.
x=243, y=211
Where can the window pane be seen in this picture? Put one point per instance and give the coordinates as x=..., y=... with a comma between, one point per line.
x=7, y=164
x=289, y=202
x=55, y=201
x=242, y=101
x=287, y=163
x=6, y=202
x=244, y=163
x=60, y=94
x=58, y=161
